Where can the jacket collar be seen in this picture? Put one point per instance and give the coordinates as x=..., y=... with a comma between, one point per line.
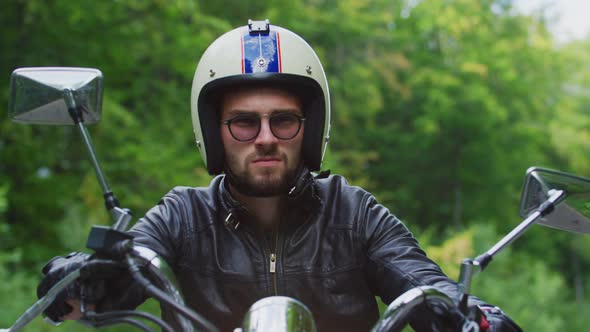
x=303, y=196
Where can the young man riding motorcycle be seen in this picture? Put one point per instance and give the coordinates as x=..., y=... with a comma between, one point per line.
x=266, y=225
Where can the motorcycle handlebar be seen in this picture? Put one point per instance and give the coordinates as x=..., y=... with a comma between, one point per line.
x=140, y=257
x=398, y=313
x=394, y=318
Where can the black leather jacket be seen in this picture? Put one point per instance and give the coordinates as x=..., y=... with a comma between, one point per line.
x=335, y=250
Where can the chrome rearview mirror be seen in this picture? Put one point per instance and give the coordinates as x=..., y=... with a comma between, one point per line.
x=38, y=95
x=64, y=96
x=550, y=198
x=573, y=214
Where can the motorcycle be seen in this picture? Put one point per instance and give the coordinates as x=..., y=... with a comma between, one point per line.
x=73, y=96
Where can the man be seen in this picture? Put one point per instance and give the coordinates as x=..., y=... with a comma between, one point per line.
x=268, y=226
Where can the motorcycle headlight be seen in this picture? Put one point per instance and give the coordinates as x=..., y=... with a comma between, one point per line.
x=278, y=313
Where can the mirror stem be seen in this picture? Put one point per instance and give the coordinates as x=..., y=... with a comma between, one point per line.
x=120, y=216
x=556, y=196
x=470, y=267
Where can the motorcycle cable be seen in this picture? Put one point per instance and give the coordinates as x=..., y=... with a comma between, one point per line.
x=165, y=298
x=113, y=317
x=109, y=318
x=125, y=320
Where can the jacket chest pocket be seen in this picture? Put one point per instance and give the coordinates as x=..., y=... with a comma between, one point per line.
x=331, y=251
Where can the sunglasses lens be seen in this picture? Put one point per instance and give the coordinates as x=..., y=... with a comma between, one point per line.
x=284, y=126
x=244, y=127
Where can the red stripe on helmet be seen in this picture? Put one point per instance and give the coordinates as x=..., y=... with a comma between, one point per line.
x=279, y=53
x=242, y=49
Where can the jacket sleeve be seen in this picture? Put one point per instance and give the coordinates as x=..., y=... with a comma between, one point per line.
x=161, y=228
x=396, y=263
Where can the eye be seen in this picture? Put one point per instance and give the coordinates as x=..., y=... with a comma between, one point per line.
x=245, y=121
x=284, y=120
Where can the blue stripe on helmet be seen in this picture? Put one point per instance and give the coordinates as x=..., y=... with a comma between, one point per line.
x=261, y=53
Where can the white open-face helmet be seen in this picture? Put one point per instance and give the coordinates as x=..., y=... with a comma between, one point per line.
x=260, y=54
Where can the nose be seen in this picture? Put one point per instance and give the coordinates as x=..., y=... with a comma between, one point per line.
x=265, y=136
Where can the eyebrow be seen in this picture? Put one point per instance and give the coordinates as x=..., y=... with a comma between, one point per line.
x=235, y=112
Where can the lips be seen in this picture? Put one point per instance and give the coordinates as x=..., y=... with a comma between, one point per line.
x=266, y=161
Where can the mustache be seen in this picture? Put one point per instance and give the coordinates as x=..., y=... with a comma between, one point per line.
x=269, y=151
x=267, y=154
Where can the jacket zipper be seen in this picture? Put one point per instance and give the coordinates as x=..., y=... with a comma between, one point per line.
x=273, y=263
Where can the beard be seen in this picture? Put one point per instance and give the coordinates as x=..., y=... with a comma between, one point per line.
x=266, y=184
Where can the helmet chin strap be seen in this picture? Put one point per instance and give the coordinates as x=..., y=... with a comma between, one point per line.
x=247, y=190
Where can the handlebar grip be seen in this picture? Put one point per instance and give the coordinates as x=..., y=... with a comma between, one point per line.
x=399, y=311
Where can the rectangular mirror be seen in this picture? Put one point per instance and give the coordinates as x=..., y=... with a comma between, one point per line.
x=37, y=94
x=571, y=215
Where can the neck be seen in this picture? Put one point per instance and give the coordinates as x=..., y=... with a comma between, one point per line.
x=266, y=210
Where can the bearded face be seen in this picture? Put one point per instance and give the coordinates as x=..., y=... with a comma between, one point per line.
x=266, y=164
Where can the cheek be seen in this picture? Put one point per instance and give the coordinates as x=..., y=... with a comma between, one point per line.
x=226, y=139
x=225, y=135
x=234, y=151
x=295, y=148
x=300, y=138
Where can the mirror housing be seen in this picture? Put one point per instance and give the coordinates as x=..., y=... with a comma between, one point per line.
x=573, y=214
x=37, y=94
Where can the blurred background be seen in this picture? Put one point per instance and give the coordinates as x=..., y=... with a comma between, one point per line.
x=439, y=107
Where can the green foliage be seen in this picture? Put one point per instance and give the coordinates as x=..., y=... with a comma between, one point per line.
x=535, y=310
x=16, y=289
x=438, y=108
x=503, y=282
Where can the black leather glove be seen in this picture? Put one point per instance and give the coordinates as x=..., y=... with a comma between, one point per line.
x=109, y=285
x=498, y=321
x=105, y=283
x=55, y=270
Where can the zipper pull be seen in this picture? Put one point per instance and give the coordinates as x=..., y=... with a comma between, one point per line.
x=273, y=263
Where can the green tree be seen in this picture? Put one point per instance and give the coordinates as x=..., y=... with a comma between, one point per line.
x=438, y=108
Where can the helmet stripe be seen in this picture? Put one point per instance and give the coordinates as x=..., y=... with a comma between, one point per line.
x=261, y=53
x=279, y=53
x=242, y=49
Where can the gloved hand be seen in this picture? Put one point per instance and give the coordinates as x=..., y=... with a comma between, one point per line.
x=498, y=321
x=55, y=270
x=105, y=284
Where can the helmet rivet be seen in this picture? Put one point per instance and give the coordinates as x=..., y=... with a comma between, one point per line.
x=211, y=73
x=198, y=143
x=308, y=69
x=261, y=62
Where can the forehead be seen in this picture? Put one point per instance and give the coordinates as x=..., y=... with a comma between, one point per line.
x=259, y=99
